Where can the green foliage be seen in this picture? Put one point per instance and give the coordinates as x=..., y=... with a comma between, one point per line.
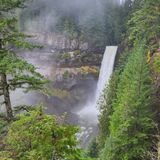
x=5, y=156
x=93, y=30
x=3, y=125
x=99, y=27
x=108, y=99
x=66, y=56
x=7, y=5
x=16, y=72
x=131, y=122
x=36, y=135
x=68, y=25
x=77, y=52
x=22, y=73
x=93, y=149
x=145, y=23
x=66, y=75
x=106, y=107
x=156, y=64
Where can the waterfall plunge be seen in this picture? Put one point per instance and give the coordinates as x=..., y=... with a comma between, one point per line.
x=89, y=114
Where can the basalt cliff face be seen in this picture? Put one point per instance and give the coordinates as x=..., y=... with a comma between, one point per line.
x=59, y=41
x=73, y=76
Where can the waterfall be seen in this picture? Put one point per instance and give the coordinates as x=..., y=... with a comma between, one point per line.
x=106, y=69
x=89, y=113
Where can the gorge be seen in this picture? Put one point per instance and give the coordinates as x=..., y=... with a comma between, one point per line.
x=90, y=111
x=79, y=80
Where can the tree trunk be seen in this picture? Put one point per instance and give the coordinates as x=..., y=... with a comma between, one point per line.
x=6, y=95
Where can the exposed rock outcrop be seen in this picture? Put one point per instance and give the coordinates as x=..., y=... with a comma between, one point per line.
x=58, y=41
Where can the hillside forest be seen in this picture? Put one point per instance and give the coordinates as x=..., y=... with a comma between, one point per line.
x=129, y=107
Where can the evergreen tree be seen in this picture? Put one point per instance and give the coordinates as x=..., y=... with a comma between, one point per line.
x=93, y=149
x=106, y=107
x=108, y=99
x=93, y=31
x=35, y=135
x=145, y=23
x=69, y=27
x=131, y=122
x=14, y=71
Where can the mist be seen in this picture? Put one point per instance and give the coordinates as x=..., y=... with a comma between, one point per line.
x=43, y=15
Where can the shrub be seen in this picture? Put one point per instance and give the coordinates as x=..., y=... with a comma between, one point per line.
x=36, y=135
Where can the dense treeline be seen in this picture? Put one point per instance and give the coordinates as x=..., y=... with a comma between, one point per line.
x=100, y=24
x=35, y=135
x=129, y=120
x=14, y=71
x=32, y=134
x=129, y=111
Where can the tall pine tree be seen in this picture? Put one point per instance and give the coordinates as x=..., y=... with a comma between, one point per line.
x=145, y=23
x=14, y=71
x=131, y=122
x=106, y=107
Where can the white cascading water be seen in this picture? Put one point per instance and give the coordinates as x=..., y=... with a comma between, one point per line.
x=106, y=69
x=89, y=114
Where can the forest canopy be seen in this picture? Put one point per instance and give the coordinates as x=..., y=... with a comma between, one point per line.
x=129, y=111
